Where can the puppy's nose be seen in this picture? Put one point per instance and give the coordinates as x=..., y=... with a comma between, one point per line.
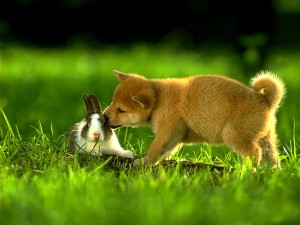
x=106, y=118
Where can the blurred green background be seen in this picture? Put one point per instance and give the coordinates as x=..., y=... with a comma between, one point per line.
x=52, y=52
x=48, y=85
x=48, y=61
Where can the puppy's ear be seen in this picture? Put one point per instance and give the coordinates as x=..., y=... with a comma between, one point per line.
x=142, y=100
x=121, y=76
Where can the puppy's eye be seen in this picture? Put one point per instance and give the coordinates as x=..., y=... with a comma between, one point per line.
x=120, y=110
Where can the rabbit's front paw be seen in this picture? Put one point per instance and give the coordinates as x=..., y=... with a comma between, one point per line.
x=128, y=154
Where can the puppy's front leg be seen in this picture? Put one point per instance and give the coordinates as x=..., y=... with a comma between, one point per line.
x=163, y=144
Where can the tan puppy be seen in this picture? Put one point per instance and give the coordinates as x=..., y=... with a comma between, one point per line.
x=212, y=109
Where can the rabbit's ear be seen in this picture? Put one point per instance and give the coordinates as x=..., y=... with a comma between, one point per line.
x=88, y=105
x=95, y=104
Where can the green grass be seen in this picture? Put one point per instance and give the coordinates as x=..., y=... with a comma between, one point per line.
x=42, y=183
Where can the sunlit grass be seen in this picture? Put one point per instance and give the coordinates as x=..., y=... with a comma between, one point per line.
x=43, y=183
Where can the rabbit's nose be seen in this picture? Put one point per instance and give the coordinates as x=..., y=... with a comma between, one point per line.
x=96, y=134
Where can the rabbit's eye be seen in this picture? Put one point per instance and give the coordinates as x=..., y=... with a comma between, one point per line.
x=120, y=110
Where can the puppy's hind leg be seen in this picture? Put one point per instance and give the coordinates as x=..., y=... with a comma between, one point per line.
x=243, y=143
x=269, y=149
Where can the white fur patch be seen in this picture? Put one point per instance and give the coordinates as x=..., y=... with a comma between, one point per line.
x=98, y=147
x=88, y=144
x=95, y=126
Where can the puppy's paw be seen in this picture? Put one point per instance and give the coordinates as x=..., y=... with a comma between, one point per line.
x=143, y=162
x=139, y=162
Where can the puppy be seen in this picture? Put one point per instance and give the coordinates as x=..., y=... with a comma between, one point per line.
x=202, y=108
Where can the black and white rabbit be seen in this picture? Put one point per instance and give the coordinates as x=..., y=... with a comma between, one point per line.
x=91, y=135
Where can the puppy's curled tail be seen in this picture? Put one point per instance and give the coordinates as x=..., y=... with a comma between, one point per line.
x=268, y=84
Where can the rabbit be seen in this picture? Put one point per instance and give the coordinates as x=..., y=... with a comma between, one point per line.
x=92, y=135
